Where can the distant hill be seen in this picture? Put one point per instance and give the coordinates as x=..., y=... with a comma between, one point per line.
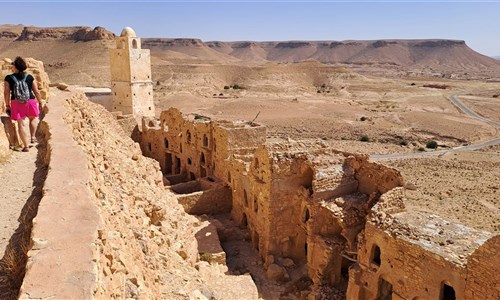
x=445, y=55
x=497, y=57
x=79, y=55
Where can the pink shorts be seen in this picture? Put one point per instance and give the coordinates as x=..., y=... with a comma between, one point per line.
x=27, y=110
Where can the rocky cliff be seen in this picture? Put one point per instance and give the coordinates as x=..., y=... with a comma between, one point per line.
x=80, y=33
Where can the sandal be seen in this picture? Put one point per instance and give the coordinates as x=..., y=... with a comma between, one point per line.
x=33, y=140
x=25, y=149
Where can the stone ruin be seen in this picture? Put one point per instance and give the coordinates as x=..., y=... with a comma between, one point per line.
x=338, y=214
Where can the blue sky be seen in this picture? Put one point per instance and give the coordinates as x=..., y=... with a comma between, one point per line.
x=476, y=22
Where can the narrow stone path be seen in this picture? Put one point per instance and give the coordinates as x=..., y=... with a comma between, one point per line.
x=16, y=177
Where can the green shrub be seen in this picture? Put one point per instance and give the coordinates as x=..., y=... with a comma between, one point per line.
x=206, y=257
x=236, y=87
x=364, y=138
x=431, y=144
x=221, y=94
x=421, y=149
x=403, y=143
x=363, y=118
x=226, y=87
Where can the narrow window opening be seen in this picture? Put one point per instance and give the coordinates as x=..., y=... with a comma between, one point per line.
x=189, y=161
x=168, y=163
x=255, y=204
x=191, y=176
x=384, y=290
x=307, y=216
x=134, y=44
x=245, y=197
x=188, y=137
x=376, y=255
x=202, y=159
x=177, y=165
x=205, y=140
x=244, y=222
x=149, y=146
x=256, y=241
x=447, y=292
x=166, y=143
x=229, y=177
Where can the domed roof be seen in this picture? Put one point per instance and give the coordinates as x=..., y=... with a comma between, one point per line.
x=127, y=31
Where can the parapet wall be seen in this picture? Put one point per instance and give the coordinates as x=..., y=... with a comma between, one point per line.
x=65, y=227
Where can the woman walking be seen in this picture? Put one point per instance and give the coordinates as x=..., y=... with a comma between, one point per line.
x=20, y=91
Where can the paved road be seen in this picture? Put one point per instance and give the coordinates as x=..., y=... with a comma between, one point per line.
x=470, y=112
x=454, y=100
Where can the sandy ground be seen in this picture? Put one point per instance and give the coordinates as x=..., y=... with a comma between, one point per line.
x=17, y=185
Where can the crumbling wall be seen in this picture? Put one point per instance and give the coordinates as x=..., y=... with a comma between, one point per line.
x=290, y=190
x=411, y=270
x=203, y=196
x=482, y=271
x=146, y=245
x=127, y=188
x=231, y=141
x=373, y=177
x=183, y=147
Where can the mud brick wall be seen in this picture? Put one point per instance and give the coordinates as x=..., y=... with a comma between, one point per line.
x=483, y=271
x=411, y=270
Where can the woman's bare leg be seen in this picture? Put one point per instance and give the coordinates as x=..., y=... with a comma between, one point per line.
x=22, y=132
x=33, y=124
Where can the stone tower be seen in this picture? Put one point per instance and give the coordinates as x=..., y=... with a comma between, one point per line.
x=131, y=85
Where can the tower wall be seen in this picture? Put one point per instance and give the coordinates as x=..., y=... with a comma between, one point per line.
x=131, y=85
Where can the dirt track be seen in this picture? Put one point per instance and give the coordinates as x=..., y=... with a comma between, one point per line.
x=17, y=185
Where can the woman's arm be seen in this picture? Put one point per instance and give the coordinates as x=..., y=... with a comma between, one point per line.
x=36, y=92
x=6, y=93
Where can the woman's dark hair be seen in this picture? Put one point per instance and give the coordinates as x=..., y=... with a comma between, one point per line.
x=20, y=64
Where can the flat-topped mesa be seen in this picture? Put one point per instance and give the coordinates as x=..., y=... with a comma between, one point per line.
x=161, y=42
x=295, y=44
x=439, y=43
x=244, y=45
x=77, y=33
